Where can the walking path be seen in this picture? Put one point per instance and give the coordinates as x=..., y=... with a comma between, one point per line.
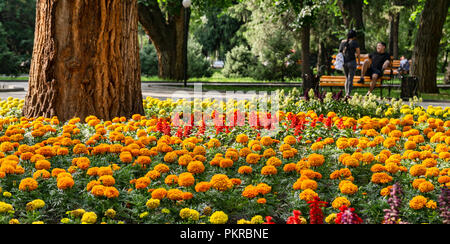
x=165, y=91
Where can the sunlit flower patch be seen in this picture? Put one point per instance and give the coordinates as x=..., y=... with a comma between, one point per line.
x=290, y=166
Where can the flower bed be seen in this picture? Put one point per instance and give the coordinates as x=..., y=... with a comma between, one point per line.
x=167, y=167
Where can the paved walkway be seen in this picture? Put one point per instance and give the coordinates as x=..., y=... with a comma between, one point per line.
x=164, y=91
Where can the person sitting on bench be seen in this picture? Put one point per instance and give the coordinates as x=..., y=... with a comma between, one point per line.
x=375, y=65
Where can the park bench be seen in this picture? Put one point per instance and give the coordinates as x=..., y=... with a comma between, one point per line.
x=339, y=80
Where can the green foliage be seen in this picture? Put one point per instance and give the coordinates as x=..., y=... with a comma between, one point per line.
x=16, y=35
x=149, y=60
x=198, y=65
x=239, y=62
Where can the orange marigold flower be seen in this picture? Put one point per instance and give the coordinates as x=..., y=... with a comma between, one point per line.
x=418, y=202
x=196, y=167
x=142, y=182
x=143, y=160
x=289, y=167
x=418, y=170
x=315, y=160
x=426, y=186
x=242, y=138
x=252, y=158
x=98, y=190
x=111, y=192
x=186, y=179
x=250, y=191
x=171, y=180
x=65, y=182
x=28, y=184
x=221, y=182
x=175, y=194
x=308, y=195
x=41, y=174
x=159, y=193
x=245, y=170
x=42, y=164
x=269, y=170
x=126, y=157
x=381, y=178
x=202, y=186
x=184, y=160
x=83, y=163
x=107, y=180
x=226, y=163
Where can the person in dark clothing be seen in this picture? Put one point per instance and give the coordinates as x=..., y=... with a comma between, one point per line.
x=350, y=50
x=375, y=65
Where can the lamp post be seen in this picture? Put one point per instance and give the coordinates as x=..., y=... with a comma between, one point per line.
x=186, y=4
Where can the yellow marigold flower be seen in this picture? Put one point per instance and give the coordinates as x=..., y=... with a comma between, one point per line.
x=330, y=219
x=257, y=219
x=110, y=213
x=5, y=207
x=218, y=217
x=431, y=204
x=418, y=202
x=340, y=201
x=89, y=218
x=185, y=213
x=308, y=195
x=152, y=203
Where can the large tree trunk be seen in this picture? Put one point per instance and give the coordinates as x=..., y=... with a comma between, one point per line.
x=352, y=13
x=394, y=19
x=426, y=48
x=85, y=60
x=168, y=36
x=305, y=37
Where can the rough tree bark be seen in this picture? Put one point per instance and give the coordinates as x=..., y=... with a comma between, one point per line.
x=426, y=48
x=394, y=19
x=167, y=35
x=85, y=60
x=305, y=38
x=352, y=13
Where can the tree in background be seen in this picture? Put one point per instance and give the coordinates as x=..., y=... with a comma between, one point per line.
x=16, y=35
x=85, y=60
x=352, y=13
x=426, y=47
x=165, y=23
